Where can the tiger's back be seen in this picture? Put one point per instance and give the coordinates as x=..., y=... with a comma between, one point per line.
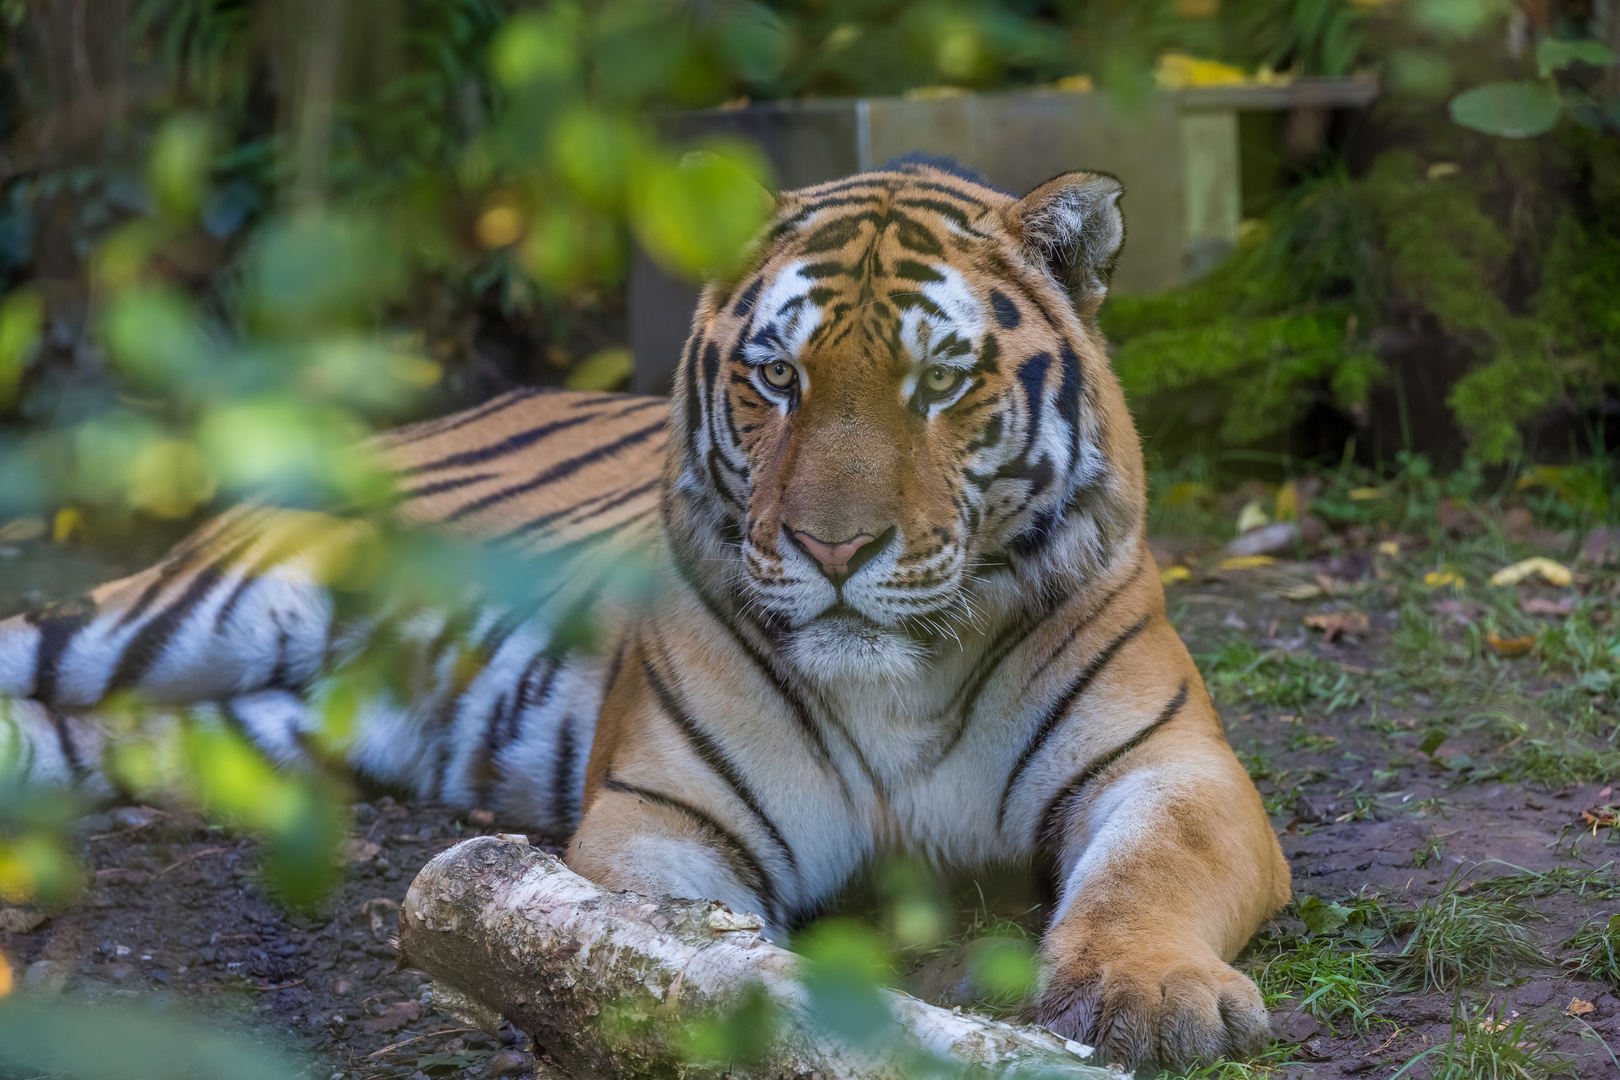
x=237, y=615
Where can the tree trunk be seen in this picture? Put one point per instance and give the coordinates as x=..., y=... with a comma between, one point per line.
x=608, y=982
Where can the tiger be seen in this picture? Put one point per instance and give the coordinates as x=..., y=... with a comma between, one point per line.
x=899, y=599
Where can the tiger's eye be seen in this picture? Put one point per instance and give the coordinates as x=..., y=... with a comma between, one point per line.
x=939, y=380
x=779, y=374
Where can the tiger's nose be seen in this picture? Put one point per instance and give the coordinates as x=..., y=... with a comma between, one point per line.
x=839, y=560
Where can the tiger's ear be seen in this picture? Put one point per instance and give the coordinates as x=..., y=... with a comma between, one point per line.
x=1072, y=224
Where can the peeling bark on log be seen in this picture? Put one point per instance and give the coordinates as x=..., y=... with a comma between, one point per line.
x=604, y=981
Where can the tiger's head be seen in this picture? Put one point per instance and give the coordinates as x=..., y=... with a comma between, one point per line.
x=900, y=419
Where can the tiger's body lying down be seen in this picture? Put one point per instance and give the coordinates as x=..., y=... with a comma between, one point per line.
x=904, y=602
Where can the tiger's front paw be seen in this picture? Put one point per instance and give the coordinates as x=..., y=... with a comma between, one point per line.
x=1162, y=1006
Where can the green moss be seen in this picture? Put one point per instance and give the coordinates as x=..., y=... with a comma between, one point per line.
x=1283, y=325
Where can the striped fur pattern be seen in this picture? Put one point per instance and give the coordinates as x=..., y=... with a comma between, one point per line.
x=903, y=603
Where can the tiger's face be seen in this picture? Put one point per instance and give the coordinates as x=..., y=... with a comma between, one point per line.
x=899, y=400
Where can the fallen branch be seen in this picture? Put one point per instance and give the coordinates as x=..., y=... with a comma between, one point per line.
x=605, y=982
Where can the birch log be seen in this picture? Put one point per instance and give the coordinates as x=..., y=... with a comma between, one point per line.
x=605, y=981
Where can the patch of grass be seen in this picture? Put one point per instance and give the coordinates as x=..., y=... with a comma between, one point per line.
x=1239, y=671
x=1597, y=883
x=1262, y=1067
x=1328, y=978
x=1485, y=1046
x=1429, y=849
x=1597, y=949
x=1456, y=938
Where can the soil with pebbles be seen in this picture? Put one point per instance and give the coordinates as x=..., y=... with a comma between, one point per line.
x=175, y=914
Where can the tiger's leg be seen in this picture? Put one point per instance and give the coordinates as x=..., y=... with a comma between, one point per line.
x=1167, y=866
x=707, y=782
x=239, y=606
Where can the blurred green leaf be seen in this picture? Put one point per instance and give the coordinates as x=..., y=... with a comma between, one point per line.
x=740, y=1035
x=181, y=158
x=1513, y=110
x=318, y=272
x=121, y=1042
x=1457, y=19
x=846, y=964
x=696, y=216
x=604, y=370
x=1555, y=54
x=169, y=478
x=1005, y=968
x=535, y=46
x=21, y=316
x=154, y=336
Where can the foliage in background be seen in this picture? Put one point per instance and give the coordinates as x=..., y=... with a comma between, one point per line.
x=1297, y=318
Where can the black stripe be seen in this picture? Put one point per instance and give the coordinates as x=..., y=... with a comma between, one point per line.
x=180, y=560
x=1046, y=830
x=751, y=872
x=1059, y=710
x=509, y=445
x=1011, y=638
x=598, y=505
x=70, y=749
x=1142, y=559
x=148, y=643
x=429, y=428
x=796, y=705
x=563, y=808
x=615, y=501
x=56, y=633
x=555, y=557
x=714, y=756
x=290, y=545
x=439, y=487
x=561, y=470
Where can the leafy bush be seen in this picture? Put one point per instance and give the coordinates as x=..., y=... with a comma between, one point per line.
x=1289, y=322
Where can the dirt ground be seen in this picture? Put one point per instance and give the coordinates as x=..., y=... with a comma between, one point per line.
x=1369, y=804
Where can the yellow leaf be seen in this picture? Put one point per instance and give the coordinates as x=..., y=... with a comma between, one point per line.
x=1251, y=517
x=1434, y=579
x=1577, y=1007
x=65, y=524
x=1288, y=502
x=1510, y=647
x=1177, y=70
x=1246, y=562
x=500, y=226
x=1553, y=573
x=1172, y=574
x=1362, y=494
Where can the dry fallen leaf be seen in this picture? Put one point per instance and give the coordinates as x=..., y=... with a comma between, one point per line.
x=1552, y=573
x=1577, y=1007
x=1502, y=646
x=1601, y=817
x=1171, y=574
x=1334, y=623
x=1245, y=562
